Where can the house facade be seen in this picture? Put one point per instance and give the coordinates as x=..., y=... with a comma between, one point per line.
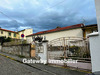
x=79, y=30
x=8, y=33
x=25, y=32
x=69, y=31
x=15, y=35
x=89, y=29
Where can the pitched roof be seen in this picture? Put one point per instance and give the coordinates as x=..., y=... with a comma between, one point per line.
x=58, y=29
x=91, y=25
x=8, y=30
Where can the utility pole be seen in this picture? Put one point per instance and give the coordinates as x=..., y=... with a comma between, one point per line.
x=22, y=35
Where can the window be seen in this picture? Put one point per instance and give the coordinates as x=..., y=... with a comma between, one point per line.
x=9, y=34
x=1, y=32
x=14, y=35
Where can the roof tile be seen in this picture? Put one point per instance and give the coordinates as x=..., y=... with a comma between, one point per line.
x=58, y=29
x=8, y=30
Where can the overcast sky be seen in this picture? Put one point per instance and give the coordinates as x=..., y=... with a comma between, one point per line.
x=45, y=14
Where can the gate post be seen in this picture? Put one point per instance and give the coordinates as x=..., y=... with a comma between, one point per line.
x=45, y=43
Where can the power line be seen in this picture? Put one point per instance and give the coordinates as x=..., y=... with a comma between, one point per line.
x=57, y=4
x=52, y=6
x=35, y=16
x=8, y=17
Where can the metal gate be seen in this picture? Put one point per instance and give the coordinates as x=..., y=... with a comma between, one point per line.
x=68, y=47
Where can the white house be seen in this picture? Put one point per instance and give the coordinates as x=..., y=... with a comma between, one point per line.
x=69, y=31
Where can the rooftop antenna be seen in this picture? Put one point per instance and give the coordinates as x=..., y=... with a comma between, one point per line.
x=83, y=20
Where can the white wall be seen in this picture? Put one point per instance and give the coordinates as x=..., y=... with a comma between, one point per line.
x=29, y=39
x=43, y=56
x=95, y=52
x=95, y=42
x=67, y=33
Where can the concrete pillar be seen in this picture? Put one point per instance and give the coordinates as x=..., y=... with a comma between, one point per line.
x=95, y=52
x=45, y=53
x=95, y=42
x=0, y=47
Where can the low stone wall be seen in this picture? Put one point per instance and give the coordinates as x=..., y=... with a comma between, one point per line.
x=23, y=50
x=55, y=54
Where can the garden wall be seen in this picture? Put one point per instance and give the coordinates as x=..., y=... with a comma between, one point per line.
x=23, y=50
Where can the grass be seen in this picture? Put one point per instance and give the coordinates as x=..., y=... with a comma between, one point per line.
x=21, y=56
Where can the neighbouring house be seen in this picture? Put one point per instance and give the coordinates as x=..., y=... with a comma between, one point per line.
x=89, y=29
x=15, y=35
x=79, y=30
x=25, y=32
x=8, y=33
x=69, y=31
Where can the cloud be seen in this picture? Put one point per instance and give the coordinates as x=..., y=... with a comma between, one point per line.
x=46, y=14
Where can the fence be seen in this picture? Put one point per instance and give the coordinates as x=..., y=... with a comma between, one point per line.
x=71, y=47
x=22, y=49
x=75, y=48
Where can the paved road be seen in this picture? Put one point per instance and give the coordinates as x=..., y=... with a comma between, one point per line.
x=58, y=70
x=11, y=67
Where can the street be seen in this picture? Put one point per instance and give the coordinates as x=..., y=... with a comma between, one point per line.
x=11, y=67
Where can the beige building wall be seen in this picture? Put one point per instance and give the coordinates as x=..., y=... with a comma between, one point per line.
x=54, y=35
x=25, y=32
x=6, y=33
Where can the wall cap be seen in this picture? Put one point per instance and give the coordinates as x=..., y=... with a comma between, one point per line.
x=93, y=34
